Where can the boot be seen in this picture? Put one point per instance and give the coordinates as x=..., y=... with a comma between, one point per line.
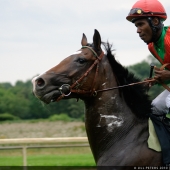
x=167, y=165
x=166, y=122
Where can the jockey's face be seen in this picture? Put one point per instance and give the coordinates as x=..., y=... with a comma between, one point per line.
x=144, y=30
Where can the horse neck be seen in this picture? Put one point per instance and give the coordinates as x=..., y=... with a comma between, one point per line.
x=107, y=116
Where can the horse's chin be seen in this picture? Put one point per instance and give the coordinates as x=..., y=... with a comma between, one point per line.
x=49, y=97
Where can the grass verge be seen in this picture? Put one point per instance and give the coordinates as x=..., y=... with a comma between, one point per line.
x=48, y=157
x=49, y=160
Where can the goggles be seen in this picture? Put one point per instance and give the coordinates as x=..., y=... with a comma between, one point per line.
x=138, y=11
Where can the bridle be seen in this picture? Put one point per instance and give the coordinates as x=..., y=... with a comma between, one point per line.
x=74, y=88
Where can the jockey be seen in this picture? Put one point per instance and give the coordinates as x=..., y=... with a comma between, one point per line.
x=148, y=17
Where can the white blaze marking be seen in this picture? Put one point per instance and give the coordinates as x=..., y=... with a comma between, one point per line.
x=77, y=52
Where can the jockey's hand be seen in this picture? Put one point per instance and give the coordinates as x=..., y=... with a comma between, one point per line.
x=162, y=76
x=148, y=84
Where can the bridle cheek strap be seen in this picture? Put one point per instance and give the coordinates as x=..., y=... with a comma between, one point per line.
x=74, y=88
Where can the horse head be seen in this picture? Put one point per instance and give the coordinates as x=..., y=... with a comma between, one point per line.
x=68, y=79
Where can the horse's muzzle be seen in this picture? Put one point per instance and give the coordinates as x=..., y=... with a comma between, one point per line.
x=47, y=91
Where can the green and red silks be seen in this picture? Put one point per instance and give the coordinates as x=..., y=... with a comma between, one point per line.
x=161, y=49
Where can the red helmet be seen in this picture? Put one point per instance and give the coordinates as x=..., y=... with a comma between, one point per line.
x=146, y=8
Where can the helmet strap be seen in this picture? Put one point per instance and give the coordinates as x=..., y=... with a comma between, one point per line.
x=155, y=28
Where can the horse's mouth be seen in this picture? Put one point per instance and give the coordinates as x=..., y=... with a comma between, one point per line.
x=52, y=95
x=48, y=97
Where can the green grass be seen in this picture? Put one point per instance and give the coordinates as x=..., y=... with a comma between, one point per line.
x=49, y=160
x=11, y=161
x=48, y=157
x=62, y=160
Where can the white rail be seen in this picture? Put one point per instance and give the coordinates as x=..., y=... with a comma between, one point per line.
x=24, y=143
x=43, y=140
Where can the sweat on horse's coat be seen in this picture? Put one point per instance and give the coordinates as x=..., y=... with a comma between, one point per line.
x=116, y=121
x=110, y=120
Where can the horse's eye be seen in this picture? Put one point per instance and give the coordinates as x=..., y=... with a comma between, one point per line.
x=81, y=60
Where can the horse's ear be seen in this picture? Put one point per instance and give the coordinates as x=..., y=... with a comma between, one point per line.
x=97, y=40
x=84, y=40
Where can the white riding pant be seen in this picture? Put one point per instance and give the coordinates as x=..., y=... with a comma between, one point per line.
x=161, y=104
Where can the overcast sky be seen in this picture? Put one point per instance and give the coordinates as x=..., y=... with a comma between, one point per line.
x=35, y=35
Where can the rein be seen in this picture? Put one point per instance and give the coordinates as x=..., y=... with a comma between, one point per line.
x=141, y=82
x=132, y=84
x=74, y=88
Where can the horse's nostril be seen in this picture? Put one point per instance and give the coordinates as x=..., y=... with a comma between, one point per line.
x=40, y=82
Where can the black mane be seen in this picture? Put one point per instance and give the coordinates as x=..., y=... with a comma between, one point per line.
x=135, y=96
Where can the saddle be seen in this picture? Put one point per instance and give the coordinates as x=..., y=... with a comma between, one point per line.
x=162, y=128
x=153, y=141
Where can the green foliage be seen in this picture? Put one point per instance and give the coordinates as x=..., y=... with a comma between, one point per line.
x=62, y=116
x=142, y=71
x=19, y=101
x=7, y=116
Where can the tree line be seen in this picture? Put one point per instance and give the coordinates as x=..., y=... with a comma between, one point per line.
x=18, y=102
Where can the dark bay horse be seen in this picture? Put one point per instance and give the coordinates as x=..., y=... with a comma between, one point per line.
x=116, y=120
